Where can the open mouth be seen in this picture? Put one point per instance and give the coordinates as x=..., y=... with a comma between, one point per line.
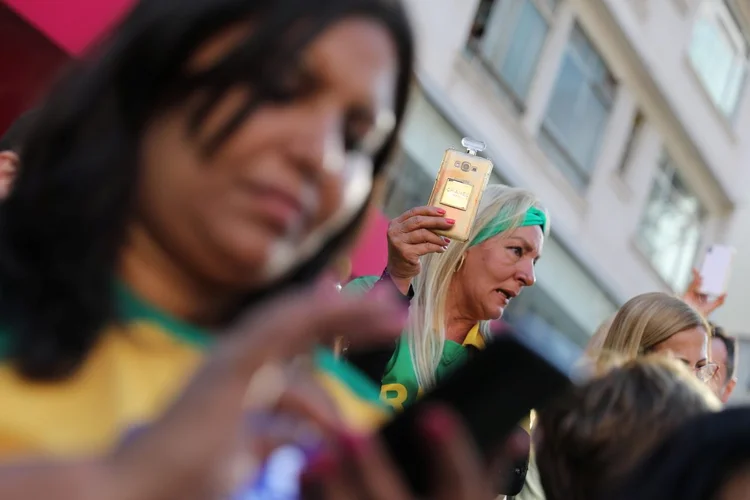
x=506, y=294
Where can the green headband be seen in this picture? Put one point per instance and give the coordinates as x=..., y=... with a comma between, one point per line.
x=533, y=217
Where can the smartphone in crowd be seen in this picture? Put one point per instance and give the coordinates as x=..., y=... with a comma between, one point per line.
x=715, y=270
x=492, y=393
x=459, y=186
x=516, y=373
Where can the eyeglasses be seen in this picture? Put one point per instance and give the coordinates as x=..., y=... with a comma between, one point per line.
x=706, y=372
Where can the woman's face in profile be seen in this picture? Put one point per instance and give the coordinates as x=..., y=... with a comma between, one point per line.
x=282, y=173
x=689, y=346
x=498, y=269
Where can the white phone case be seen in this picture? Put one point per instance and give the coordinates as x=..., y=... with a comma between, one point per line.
x=715, y=269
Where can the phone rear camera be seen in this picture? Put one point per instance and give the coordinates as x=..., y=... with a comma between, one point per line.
x=465, y=166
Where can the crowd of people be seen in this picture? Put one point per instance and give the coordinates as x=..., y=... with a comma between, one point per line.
x=175, y=301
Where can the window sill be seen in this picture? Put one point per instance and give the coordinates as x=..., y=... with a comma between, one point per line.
x=726, y=122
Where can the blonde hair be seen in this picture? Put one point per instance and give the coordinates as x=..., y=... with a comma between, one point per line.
x=595, y=434
x=594, y=347
x=427, y=318
x=647, y=320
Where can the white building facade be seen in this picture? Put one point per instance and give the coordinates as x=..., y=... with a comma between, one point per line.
x=629, y=118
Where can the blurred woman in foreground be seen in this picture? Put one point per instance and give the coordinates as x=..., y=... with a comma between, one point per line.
x=215, y=153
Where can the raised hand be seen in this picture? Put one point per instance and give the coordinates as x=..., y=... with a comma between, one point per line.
x=410, y=236
x=202, y=447
x=700, y=301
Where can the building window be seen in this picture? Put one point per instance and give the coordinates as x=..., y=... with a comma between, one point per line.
x=671, y=227
x=578, y=110
x=719, y=52
x=635, y=133
x=507, y=37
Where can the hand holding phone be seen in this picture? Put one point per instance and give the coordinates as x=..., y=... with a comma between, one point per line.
x=714, y=273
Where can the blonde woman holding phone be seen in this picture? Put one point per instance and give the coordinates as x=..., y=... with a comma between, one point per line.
x=455, y=289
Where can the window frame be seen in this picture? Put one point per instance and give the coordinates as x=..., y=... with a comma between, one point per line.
x=604, y=90
x=667, y=173
x=473, y=46
x=637, y=125
x=722, y=15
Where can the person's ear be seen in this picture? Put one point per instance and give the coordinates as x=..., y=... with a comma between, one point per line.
x=731, y=384
x=9, y=164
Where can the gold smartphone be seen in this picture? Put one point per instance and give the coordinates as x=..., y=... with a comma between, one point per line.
x=459, y=186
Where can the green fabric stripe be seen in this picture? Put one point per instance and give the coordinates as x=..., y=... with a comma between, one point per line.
x=533, y=217
x=133, y=308
x=360, y=286
x=4, y=344
x=352, y=378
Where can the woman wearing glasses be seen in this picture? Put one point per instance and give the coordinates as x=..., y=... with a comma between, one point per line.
x=657, y=322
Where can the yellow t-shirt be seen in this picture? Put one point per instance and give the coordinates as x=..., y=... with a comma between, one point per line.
x=136, y=370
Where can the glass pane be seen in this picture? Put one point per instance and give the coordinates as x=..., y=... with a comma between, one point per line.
x=577, y=115
x=525, y=48
x=570, y=82
x=499, y=31
x=671, y=228
x=513, y=41
x=716, y=59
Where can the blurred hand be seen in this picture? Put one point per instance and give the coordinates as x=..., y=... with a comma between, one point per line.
x=201, y=448
x=411, y=236
x=361, y=468
x=698, y=300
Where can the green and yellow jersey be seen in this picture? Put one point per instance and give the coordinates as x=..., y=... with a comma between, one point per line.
x=399, y=386
x=138, y=367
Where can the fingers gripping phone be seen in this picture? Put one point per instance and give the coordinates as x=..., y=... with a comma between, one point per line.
x=516, y=373
x=459, y=186
x=715, y=270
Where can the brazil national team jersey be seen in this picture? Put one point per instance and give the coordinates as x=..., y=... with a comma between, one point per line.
x=136, y=370
x=399, y=387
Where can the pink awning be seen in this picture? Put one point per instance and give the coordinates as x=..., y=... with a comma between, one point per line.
x=371, y=253
x=71, y=24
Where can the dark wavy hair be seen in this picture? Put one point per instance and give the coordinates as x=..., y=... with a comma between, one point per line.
x=13, y=138
x=62, y=228
x=694, y=462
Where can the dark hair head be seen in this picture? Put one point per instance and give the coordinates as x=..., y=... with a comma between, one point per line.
x=730, y=343
x=62, y=229
x=13, y=138
x=693, y=462
x=592, y=436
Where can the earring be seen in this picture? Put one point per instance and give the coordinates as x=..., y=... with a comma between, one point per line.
x=460, y=263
